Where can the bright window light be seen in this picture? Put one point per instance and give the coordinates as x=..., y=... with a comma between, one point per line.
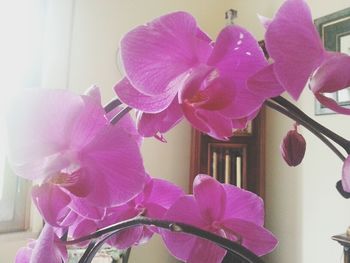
x=21, y=27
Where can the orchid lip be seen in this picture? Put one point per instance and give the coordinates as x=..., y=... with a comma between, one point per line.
x=198, y=99
x=65, y=179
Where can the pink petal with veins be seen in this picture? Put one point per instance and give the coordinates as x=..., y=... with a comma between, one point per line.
x=23, y=255
x=294, y=44
x=237, y=56
x=205, y=251
x=117, y=162
x=156, y=53
x=47, y=249
x=184, y=210
x=210, y=197
x=331, y=104
x=332, y=76
x=148, y=103
x=243, y=205
x=264, y=83
x=211, y=122
x=51, y=202
x=150, y=124
x=126, y=238
x=86, y=209
x=162, y=193
x=46, y=123
x=254, y=237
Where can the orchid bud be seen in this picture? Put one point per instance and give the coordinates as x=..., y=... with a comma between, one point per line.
x=293, y=147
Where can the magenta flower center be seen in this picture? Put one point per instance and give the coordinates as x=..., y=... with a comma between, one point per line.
x=65, y=179
x=197, y=98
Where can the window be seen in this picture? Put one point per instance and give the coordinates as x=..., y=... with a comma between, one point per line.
x=21, y=27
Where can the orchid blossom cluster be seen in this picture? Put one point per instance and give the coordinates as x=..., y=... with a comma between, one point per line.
x=85, y=159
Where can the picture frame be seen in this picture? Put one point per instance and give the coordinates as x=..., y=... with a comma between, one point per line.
x=334, y=30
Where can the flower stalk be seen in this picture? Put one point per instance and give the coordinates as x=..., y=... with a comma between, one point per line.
x=105, y=233
x=298, y=118
x=341, y=141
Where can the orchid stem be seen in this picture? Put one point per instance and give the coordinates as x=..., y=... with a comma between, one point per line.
x=344, y=143
x=112, y=105
x=126, y=256
x=230, y=246
x=307, y=125
x=119, y=115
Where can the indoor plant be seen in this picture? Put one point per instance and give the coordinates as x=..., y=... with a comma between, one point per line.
x=207, y=90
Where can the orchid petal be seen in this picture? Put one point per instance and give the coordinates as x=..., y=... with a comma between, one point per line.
x=87, y=123
x=346, y=174
x=184, y=210
x=265, y=21
x=48, y=248
x=205, y=251
x=51, y=202
x=237, y=56
x=211, y=122
x=264, y=83
x=126, y=238
x=256, y=238
x=82, y=228
x=156, y=53
x=44, y=121
x=242, y=204
x=332, y=75
x=95, y=93
x=134, y=98
x=295, y=46
x=23, y=255
x=80, y=183
x=243, y=122
x=204, y=89
x=154, y=211
x=147, y=234
x=86, y=209
x=127, y=123
x=210, y=196
x=163, y=193
x=150, y=124
x=68, y=220
x=331, y=104
x=117, y=162
x=240, y=124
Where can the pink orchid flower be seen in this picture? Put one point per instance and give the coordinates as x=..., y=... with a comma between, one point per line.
x=295, y=47
x=174, y=70
x=223, y=209
x=46, y=249
x=65, y=142
x=155, y=199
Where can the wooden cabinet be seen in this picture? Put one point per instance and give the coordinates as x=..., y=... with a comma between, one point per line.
x=239, y=161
